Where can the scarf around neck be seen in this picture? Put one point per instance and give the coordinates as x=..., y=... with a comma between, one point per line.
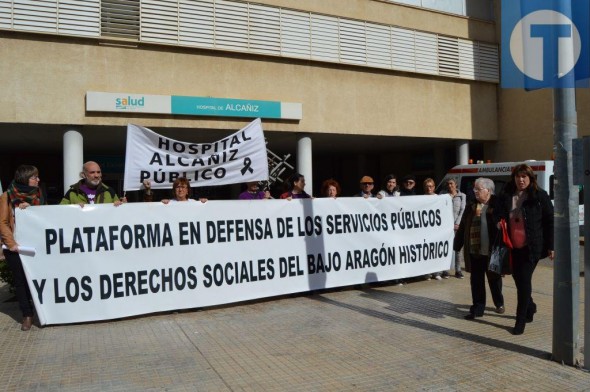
x=19, y=193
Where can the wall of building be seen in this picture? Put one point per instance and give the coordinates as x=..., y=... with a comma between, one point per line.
x=525, y=124
x=45, y=79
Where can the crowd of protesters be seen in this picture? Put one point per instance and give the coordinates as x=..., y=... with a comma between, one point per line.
x=523, y=206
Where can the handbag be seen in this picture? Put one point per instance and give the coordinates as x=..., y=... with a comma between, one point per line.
x=501, y=257
x=500, y=260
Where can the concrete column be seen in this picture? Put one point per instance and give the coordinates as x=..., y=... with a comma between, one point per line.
x=73, y=147
x=304, y=161
x=462, y=152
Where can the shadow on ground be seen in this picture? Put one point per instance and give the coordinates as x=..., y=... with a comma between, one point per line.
x=402, y=303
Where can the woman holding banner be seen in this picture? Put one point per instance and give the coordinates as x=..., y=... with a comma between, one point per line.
x=181, y=189
x=428, y=185
x=23, y=192
x=295, y=188
x=330, y=188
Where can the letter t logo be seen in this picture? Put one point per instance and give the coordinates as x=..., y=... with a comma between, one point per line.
x=552, y=53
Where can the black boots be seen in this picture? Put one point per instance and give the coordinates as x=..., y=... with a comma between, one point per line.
x=520, y=324
x=519, y=327
x=530, y=312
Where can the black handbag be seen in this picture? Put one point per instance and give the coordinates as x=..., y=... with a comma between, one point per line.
x=500, y=257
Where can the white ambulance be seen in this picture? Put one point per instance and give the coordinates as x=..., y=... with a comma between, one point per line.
x=500, y=174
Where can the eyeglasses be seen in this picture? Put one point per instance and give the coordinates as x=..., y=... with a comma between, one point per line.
x=479, y=189
x=366, y=183
x=410, y=182
x=182, y=187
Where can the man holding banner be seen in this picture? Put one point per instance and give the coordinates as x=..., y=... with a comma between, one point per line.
x=90, y=189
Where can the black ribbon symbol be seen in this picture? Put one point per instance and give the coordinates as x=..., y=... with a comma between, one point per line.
x=247, y=163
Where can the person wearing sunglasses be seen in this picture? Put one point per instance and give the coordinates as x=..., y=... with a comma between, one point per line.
x=408, y=186
x=367, y=184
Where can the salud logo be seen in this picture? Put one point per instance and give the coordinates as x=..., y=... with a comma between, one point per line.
x=545, y=44
x=129, y=103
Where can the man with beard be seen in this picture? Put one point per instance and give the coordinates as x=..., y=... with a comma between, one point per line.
x=90, y=189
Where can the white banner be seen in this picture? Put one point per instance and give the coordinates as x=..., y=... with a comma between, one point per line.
x=238, y=158
x=103, y=262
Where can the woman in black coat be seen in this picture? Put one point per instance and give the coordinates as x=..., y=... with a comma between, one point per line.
x=528, y=212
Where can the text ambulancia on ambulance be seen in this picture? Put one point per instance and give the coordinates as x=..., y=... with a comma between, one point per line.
x=500, y=172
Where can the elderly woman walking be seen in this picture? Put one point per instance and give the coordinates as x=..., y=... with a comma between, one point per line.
x=476, y=234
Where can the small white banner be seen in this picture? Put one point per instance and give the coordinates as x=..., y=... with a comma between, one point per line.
x=238, y=158
x=103, y=262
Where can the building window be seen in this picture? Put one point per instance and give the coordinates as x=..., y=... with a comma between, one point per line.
x=481, y=9
x=120, y=19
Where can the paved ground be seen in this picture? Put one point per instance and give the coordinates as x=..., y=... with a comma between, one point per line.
x=376, y=338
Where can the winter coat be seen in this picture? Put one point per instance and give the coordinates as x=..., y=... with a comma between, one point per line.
x=75, y=195
x=462, y=236
x=6, y=222
x=537, y=211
